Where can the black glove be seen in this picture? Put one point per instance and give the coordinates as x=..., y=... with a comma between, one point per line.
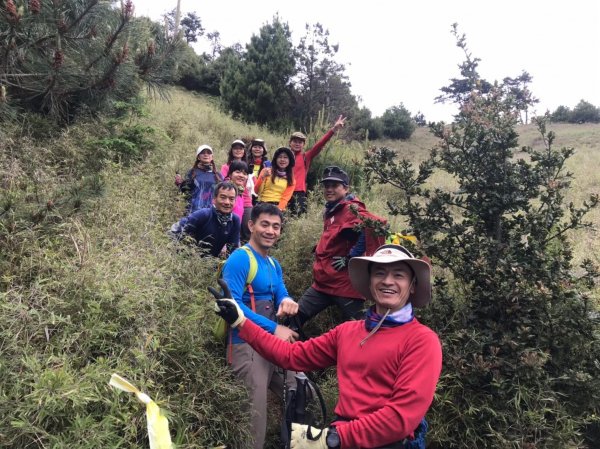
x=226, y=307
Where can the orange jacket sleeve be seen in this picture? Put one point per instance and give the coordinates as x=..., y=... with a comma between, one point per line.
x=258, y=182
x=286, y=196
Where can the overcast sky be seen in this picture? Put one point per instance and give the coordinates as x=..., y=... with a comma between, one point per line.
x=402, y=51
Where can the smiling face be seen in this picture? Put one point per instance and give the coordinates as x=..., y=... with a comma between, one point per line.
x=205, y=157
x=334, y=190
x=391, y=285
x=239, y=177
x=296, y=144
x=224, y=200
x=257, y=151
x=282, y=161
x=237, y=151
x=264, y=232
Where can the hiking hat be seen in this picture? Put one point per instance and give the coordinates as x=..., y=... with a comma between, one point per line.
x=286, y=150
x=238, y=142
x=260, y=143
x=298, y=135
x=360, y=273
x=334, y=173
x=202, y=148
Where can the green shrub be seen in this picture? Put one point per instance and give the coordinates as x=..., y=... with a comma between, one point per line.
x=519, y=327
x=397, y=123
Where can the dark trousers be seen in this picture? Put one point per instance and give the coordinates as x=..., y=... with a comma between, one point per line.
x=297, y=204
x=313, y=302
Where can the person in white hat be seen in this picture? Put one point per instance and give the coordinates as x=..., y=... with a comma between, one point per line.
x=388, y=365
x=200, y=180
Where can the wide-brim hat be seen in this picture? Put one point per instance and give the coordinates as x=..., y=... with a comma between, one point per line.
x=286, y=150
x=360, y=276
x=201, y=148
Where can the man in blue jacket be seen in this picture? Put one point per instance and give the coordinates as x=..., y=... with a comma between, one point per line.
x=214, y=228
x=263, y=300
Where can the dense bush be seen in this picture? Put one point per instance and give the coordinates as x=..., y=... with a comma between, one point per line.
x=583, y=112
x=521, y=334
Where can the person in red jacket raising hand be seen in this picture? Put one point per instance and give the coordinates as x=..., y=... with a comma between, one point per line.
x=297, y=204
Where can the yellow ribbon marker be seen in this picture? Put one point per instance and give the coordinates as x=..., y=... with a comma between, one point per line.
x=158, y=425
x=397, y=237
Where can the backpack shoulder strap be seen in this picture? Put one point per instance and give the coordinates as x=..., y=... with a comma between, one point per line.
x=251, y=275
x=253, y=265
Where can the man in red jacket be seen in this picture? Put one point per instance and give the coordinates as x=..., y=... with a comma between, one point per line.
x=388, y=365
x=339, y=242
x=297, y=204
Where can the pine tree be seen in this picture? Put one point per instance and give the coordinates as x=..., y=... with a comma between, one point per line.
x=257, y=88
x=64, y=56
x=321, y=81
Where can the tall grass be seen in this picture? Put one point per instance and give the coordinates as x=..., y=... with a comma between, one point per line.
x=90, y=284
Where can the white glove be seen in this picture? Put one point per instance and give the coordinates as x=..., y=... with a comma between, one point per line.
x=300, y=440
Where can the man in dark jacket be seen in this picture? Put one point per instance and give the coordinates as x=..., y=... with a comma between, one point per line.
x=340, y=241
x=215, y=228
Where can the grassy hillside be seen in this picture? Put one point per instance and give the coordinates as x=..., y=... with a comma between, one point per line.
x=91, y=284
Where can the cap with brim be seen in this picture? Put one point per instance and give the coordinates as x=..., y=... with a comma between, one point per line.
x=335, y=174
x=238, y=142
x=201, y=148
x=358, y=270
x=287, y=151
x=298, y=135
x=259, y=142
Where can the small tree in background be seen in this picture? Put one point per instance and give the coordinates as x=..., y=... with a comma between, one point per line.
x=561, y=114
x=585, y=112
x=398, y=123
x=257, y=88
x=419, y=119
x=190, y=25
x=321, y=81
x=520, y=334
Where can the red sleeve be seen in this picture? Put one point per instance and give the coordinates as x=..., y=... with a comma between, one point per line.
x=409, y=400
x=316, y=353
x=286, y=196
x=315, y=150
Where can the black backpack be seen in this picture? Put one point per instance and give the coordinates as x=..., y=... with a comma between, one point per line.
x=297, y=405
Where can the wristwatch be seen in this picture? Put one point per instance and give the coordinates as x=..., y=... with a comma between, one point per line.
x=333, y=439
